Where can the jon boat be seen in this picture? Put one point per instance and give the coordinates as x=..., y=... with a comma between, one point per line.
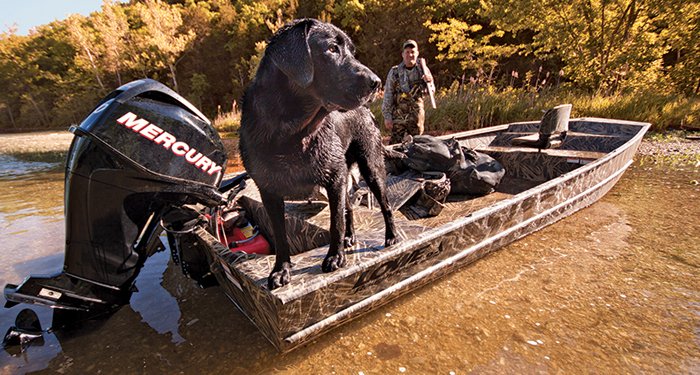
x=541, y=185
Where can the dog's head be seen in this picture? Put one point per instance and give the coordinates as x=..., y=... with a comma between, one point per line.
x=320, y=59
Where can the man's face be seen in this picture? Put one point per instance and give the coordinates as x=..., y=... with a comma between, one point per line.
x=410, y=56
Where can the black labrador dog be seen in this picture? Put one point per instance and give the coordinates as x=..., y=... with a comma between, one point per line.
x=303, y=124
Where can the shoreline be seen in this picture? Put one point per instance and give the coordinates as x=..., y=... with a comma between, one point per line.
x=669, y=144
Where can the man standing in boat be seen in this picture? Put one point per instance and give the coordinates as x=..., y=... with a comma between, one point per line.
x=406, y=85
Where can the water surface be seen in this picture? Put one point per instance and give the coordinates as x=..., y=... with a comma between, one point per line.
x=613, y=288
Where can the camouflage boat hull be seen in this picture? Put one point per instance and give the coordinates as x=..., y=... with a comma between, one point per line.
x=540, y=187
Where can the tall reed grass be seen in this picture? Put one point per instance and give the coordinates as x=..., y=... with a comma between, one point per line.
x=469, y=106
x=473, y=106
x=227, y=122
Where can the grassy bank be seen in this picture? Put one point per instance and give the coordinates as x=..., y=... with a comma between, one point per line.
x=469, y=107
x=476, y=107
x=671, y=146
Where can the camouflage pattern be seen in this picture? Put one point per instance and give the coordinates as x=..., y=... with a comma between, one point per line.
x=403, y=101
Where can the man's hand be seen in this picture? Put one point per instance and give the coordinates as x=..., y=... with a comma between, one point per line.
x=427, y=77
x=388, y=124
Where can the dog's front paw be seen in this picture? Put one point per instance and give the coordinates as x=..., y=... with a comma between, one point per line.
x=391, y=240
x=280, y=277
x=333, y=262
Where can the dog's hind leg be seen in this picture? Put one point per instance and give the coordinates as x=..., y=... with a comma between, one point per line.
x=282, y=272
x=373, y=171
x=337, y=194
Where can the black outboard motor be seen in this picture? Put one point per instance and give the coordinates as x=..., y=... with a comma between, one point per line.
x=142, y=150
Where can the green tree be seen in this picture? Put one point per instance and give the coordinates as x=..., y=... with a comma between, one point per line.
x=84, y=39
x=256, y=22
x=112, y=28
x=380, y=27
x=681, y=31
x=208, y=57
x=10, y=72
x=605, y=44
x=471, y=44
x=162, y=38
x=34, y=71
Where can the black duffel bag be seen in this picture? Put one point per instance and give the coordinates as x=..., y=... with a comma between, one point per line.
x=480, y=176
x=427, y=153
x=470, y=172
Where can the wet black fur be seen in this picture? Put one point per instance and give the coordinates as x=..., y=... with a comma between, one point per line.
x=303, y=124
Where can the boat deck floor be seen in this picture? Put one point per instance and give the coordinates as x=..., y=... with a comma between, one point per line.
x=314, y=295
x=311, y=219
x=307, y=222
x=459, y=206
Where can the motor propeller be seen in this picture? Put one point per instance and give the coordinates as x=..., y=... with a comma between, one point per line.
x=26, y=331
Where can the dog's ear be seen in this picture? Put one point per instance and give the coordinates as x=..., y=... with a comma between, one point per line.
x=291, y=53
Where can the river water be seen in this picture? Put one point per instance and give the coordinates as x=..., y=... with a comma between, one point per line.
x=614, y=288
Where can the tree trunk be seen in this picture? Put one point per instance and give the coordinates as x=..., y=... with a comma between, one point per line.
x=172, y=72
x=94, y=68
x=12, y=118
x=42, y=117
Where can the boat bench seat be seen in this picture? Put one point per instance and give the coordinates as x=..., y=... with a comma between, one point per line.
x=555, y=152
x=539, y=164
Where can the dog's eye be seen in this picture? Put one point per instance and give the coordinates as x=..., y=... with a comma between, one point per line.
x=333, y=49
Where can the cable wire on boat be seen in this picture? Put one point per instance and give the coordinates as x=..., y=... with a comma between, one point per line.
x=173, y=231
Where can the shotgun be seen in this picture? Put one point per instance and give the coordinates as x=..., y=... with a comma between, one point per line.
x=431, y=84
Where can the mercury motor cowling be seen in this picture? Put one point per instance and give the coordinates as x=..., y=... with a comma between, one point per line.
x=143, y=150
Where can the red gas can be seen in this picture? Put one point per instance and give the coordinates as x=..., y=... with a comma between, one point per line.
x=249, y=240
x=238, y=234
